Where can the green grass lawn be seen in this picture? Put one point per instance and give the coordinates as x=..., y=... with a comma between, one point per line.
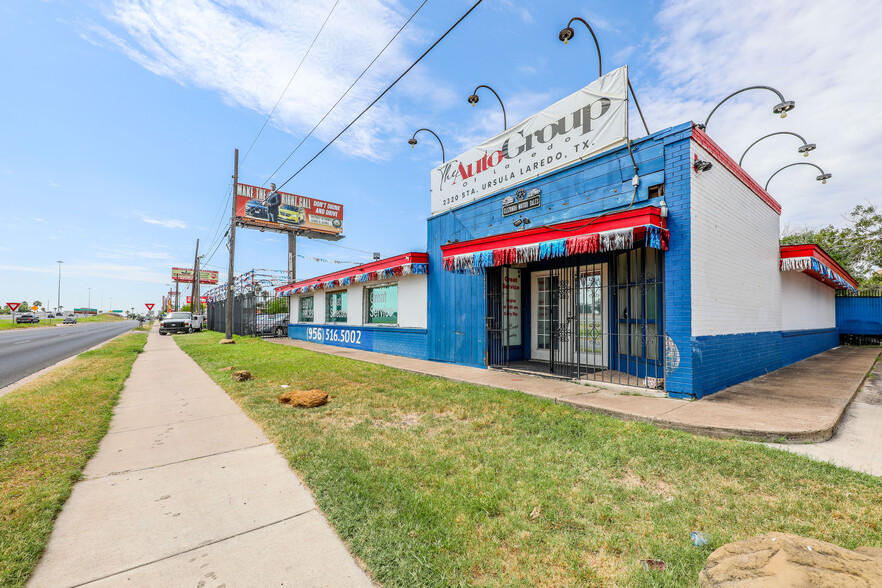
x=101, y=318
x=439, y=483
x=49, y=429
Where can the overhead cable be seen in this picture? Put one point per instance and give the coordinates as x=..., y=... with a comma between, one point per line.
x=302, y=59
x=383, y=93
x=383, y=50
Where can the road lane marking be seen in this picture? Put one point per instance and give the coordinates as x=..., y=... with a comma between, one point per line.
x=20, y=342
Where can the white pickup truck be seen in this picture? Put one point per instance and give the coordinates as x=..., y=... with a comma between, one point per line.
x=180, y=322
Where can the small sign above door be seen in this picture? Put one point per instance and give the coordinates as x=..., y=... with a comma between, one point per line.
x=521, y=201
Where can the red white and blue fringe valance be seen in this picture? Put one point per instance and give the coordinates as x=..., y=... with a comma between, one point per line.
x=617, y=240
x=800, y=264
x=406, y=269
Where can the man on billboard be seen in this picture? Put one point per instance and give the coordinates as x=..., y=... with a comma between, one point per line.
x=273, y=201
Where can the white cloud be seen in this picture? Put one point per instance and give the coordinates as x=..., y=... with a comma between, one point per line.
x=53, y=184
x=168, y=223
x=247, y=52
x=823, y=55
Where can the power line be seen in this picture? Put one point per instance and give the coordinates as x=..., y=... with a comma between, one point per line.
x=308, y=135
x=269, y=116
x=441, y=38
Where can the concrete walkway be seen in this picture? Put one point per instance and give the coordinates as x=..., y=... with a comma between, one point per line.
x=185, y=490
x=803, y=402
x=857, y=443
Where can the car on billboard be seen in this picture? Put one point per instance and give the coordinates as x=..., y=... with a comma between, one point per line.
x=256, y=209
x=291, y=215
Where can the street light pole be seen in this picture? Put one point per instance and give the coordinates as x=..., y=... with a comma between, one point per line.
x=58, y=302
x=89, y=301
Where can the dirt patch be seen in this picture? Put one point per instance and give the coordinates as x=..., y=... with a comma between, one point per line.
x=871, y=391
x=403, y=422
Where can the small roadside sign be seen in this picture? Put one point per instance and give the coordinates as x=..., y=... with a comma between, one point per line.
x=149, y=306
x=13, y=305
x=35, y=308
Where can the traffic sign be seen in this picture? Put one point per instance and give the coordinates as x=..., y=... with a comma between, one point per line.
x=149, y=306
x=13, y=305
x=35, y=308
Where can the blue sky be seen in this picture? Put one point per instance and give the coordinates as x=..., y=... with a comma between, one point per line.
x=119, y=117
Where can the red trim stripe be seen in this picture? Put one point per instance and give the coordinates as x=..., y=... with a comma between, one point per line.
x=723, y=158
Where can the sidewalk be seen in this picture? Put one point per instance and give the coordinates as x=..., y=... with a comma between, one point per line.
x=803, y=402
x=185, y=490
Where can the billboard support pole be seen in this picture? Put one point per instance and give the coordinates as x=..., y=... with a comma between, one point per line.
x=177, y=296
x=228, y=322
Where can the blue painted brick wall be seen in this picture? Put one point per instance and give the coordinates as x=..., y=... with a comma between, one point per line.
x=720, y=361
x=391, y=340
x=678, y=268
x=798, y=345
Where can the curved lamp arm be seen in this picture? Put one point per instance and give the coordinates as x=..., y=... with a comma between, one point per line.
x=413, y=142
x=781, y=108
x=473, y=99
x=568, y=33
x=821, y=178
x=806, y=147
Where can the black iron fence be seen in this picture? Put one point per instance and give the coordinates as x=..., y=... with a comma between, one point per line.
x=256, y=314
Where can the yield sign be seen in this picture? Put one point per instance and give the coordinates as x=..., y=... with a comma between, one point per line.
x=13, y=305
x=149, y=306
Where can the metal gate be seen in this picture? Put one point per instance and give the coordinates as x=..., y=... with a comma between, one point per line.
x=597, y=318
x=258, y=314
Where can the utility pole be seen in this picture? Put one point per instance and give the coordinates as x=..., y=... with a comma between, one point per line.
x=194, y=290
x=228, y=322
x=292, y=257
x=177, y=295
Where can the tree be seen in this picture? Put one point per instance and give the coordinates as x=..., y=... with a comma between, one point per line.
x=277, y=305
x=37, y=303
x=857, y=247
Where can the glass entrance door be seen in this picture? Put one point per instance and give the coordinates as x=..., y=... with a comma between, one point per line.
x=545, y=314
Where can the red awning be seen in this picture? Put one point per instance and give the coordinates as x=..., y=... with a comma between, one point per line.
x=602, y=233
x=813, y=261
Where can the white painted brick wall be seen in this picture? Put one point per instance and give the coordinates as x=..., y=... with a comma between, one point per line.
x=806, y=303
x=736, y=284
x=412, y=302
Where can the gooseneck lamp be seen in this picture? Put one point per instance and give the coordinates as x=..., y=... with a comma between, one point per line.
x=473, y=99
x=821, y=178
x=804, y=148
x=568, y=33
x=413, y=142
x=782, y=108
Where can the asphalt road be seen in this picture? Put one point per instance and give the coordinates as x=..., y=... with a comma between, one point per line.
x=26, y=351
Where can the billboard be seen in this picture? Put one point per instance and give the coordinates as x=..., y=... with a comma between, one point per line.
x=260, y=208
x=581, y=125
x=185, y=275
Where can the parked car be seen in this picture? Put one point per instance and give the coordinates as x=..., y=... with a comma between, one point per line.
x=69, y=320
x=269, y=325
x=27, y=318
x=256, y=209
x=180, y=322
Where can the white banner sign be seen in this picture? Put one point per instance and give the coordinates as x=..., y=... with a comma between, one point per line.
x=581, y=125
x=511, y=304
